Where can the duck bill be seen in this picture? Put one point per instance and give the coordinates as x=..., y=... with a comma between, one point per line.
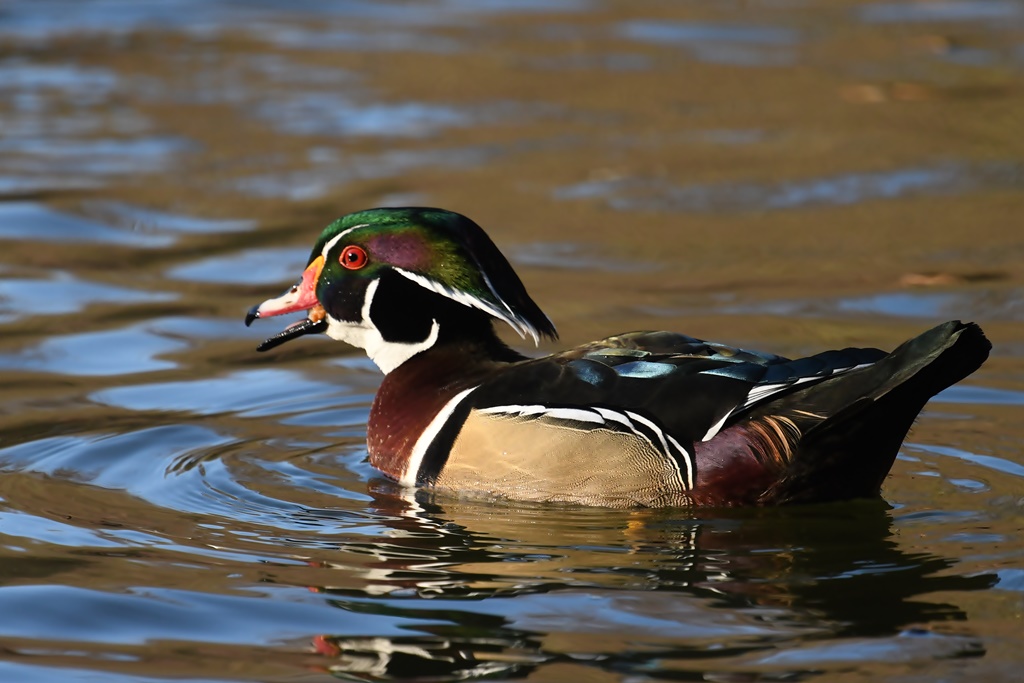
x=300, y=297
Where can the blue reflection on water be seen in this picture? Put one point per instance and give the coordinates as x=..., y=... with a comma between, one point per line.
x=656, y=194
x=323, y=181
x=572, y=256
x=741, y=45
x=994, y=304
x=252, y=266
x=965, y=393
x=83, y=84
x=22, y=220
x=139, y=218
x=63, y=293
x=990, y=462
x=43, y=19
x=326, y=113
x=251, y=393
x=942, y=10
x=136, y=349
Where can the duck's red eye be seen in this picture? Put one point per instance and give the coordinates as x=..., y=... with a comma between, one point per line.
x=353, y=257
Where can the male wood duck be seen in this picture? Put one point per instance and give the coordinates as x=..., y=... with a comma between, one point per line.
x=639, y=419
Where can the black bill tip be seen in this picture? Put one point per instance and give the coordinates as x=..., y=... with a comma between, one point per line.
x=307, y=326
x=253, y=313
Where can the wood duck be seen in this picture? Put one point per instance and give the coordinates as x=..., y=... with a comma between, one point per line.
x=638, y=419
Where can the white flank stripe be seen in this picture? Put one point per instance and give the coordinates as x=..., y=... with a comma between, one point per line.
x=576, y=414
x=625, y=420
x=618, y=418
x=514, y=410
x=716, y=427
x=508, y=410
x=412, y=468
x=763, y=391
x=650, y=425
x=687, y=459
x=664, y=444
x=601, y=416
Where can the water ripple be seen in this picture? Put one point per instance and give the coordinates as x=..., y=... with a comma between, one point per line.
x=654, y=194
x=984, y=304
x=140, y=349
x=248, y=267
x=324, y=181
x=63, y=293
x=989, y=462
x=996, y=11
x=142, y=613
x=35, y=221
x=249, y=393
x=740, y=45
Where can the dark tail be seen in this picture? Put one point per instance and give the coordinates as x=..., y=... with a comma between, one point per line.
x=852, y=426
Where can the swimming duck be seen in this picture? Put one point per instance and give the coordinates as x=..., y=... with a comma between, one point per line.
x=637, y=419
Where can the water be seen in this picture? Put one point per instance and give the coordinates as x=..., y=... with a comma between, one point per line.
x=783, y=176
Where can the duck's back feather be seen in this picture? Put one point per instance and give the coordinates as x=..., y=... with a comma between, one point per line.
x=661, y=418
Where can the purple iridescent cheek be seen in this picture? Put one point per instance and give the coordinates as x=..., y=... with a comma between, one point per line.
x=404, y=251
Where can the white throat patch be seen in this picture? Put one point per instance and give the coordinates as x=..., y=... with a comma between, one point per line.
x=387, y=355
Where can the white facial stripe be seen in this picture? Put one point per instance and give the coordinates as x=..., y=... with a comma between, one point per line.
x=337, y=238
x=521, y=326
x=457, y=296
x=419, y=451
x=387, y=355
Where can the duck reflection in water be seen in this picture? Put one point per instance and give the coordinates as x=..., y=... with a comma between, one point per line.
x=625, y=591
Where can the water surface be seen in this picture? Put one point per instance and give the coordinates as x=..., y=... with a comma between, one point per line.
x=782, y=176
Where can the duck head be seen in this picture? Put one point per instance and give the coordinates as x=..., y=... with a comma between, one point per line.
x=398, y=281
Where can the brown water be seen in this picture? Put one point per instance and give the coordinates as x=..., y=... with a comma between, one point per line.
x=788, y=176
